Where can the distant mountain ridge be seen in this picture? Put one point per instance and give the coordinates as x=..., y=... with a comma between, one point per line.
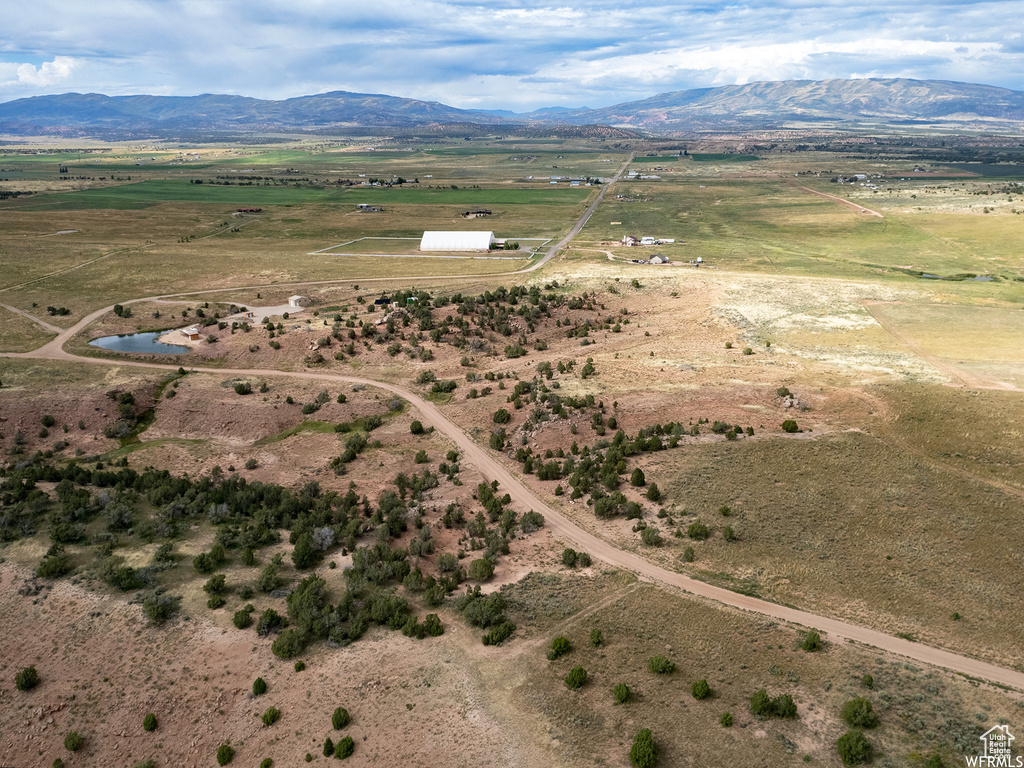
x=889, y=100
x=762, y=104
x=225, y=112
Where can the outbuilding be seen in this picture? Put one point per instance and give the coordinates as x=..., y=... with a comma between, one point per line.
x=299, y=301
x=457, y=241
x=192, y=334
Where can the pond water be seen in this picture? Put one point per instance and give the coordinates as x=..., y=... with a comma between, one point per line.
x=140, y=343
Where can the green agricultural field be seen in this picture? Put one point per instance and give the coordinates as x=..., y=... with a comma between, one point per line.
x=549, y=195
x=711, y=157
x=772, y=227
x=656, y=158
x=147, y=193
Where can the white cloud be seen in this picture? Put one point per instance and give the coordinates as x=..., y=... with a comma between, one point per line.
x=47, y=73
x=503, y=53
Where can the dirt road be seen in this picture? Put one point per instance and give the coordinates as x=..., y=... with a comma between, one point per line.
x=843, y=200
x=572, y=534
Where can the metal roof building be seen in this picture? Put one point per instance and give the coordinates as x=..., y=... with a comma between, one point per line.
x=456, y=241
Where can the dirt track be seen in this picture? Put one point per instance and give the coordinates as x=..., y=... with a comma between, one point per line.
x=843, y=200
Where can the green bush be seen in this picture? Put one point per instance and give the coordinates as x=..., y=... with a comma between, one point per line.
x=149, y=722
x=271, y=716
x=267, y=581
x=659, y=665
x=622, y=693
x=569, y=556
x=698, y=531
x=74, y=741
x=54, y=566
x=502, y=416
x=559, y=647
x=689, y=555
x=328, y=747
x=784, y=706
x=653, y=492
x=637, y=479
x=215, y=602
x=225, y=754
x=27, y=679
x=812, y=642
x=859, y=713
x=288, y=644
x=159, y=608
x=643, y=753
x=269, y=621
x=340, y=718
x=300, y=665
x=499, y=634
x=701, y=690
x=216, y=585
x=259, y=686
x=576, y=678
x=481, y=569
x=651, y=537
x=596, y=638
x=345, y=748
x=761, y=703
x=854, y=748
x=867, y=681
x=790, y=426
x=726, y=719
x=242, y=619
x=416, y=428
x=267, y=762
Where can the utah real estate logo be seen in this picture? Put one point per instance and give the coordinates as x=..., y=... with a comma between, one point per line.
x=998, y=748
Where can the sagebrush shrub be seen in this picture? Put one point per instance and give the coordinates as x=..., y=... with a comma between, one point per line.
x=559, y=647
x=26, y=679
x=659, y=665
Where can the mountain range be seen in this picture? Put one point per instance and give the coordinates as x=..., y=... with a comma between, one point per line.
x=874, y=101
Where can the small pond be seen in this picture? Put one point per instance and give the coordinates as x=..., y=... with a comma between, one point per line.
x=140, y=343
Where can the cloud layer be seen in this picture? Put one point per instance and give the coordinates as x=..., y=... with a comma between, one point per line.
x=500, y=54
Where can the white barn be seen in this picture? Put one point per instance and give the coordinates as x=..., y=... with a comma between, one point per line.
x=456, y=241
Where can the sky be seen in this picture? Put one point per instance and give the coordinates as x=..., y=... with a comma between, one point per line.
x=495, y=55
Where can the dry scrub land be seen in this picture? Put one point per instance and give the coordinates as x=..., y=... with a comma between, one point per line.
x=646, y=403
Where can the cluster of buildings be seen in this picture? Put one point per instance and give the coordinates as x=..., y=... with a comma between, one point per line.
x=631, y=240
